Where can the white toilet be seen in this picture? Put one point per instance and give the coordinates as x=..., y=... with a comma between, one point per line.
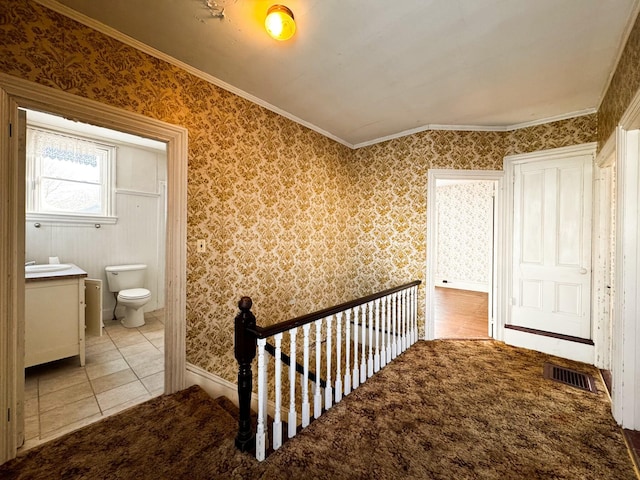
x=128, y=280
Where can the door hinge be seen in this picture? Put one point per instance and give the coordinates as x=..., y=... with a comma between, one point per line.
x=8, y=414
x=10, y=130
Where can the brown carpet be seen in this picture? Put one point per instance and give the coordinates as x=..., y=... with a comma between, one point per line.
x=187, y=435
x=441, y=410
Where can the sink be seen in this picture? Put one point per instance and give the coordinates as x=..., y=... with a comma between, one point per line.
x=46, y=267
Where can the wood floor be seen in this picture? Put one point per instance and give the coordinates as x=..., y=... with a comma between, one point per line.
x=460, y=313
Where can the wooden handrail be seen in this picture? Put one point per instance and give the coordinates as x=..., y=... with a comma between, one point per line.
x=246, y=336
x=264, y=332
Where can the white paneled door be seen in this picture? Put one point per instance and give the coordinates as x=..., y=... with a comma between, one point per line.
x=552, y=246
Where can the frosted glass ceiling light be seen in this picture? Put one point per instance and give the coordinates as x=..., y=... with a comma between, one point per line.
x=280, y=23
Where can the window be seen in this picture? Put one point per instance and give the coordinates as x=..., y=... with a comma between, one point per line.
x=68, y=177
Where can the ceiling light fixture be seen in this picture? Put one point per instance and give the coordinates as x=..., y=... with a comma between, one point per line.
x=280, y=23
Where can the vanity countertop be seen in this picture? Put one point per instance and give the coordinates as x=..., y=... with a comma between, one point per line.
x=73, y=272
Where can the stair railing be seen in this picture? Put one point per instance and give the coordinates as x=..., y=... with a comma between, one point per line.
x=379, y=327
x=284, y=358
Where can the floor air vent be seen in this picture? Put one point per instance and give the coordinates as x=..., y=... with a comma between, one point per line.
x=570, y=377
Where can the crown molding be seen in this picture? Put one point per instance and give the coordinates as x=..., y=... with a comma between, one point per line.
x=132, y=42
x=478, y=128
x=143, y=47
x=555, y=118
x=424, y=128
x=623, y=43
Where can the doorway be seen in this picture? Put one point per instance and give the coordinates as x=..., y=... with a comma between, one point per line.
x=463, y=238
x=67, y=162
x=15, y=94
x=548, y=228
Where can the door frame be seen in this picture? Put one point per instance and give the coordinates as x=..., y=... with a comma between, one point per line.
x=495, y=289
x=18, y=93
x=554, y=346
x=602, y=289
x=625, y=354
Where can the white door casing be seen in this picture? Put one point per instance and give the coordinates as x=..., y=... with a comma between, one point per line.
x=603, y=286
x=494, y=325
x=548, y=239
x=625, y=355
x=15, y=93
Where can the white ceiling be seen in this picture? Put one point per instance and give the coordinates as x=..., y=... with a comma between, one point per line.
x=362, y=71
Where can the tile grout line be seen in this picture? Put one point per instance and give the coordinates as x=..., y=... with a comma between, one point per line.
x=39, y=439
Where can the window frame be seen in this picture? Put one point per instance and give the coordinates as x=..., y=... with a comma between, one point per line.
x=108, y=188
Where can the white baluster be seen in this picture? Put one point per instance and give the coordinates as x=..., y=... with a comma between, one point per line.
x=394, y=321
x=389, y=337
x=347, y=342
x=261, y=440
x=293, y=415
x=363, y=354
x=370, y=357
x=376, y=358
x=277, y=423
x=412, y=315
x=338, y=389
x=398, y=302
x=404, y=320
x=399, y=320
x=356, y=372
x=265, y=391
x=383, y=331
x=409, y=318
x=317, y=399
x=305, y=376
x=328, y=390
x=415, y=313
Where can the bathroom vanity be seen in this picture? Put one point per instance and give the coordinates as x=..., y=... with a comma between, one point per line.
x=54, y=315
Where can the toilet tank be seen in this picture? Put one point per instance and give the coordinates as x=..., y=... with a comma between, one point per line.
x=123, y=277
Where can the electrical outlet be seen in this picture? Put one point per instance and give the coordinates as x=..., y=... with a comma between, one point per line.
x=202, y=245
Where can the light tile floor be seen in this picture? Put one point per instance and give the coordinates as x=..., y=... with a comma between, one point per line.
x=123, y=367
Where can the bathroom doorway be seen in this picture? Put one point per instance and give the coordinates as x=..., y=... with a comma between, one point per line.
x=15, y=94
x=95, y=197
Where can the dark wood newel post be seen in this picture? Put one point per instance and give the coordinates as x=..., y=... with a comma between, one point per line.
x=245, y=351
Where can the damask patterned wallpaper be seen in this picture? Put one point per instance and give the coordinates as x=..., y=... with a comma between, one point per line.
x=270, y=196
x=293, y=219
x=623, y=87
x=563, y=133
x=464, y=234
x=391, y=190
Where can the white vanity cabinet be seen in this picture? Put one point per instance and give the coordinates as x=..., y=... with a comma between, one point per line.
x=55, y=317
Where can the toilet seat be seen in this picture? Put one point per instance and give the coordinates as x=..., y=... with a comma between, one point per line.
x=134, y=294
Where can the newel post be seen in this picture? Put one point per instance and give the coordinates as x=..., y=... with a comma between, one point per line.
x=245, y=352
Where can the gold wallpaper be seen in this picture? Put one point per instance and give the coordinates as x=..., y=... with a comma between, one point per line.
x=623, y=87
x=292, y=219
x=562, y=133
x=391, y=190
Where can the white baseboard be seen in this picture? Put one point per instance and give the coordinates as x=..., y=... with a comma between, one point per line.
x=212, y=384
x=217, y=386
x=472, y=286
x=580, y=352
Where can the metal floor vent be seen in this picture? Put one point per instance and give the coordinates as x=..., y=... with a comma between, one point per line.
x=570, y=377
